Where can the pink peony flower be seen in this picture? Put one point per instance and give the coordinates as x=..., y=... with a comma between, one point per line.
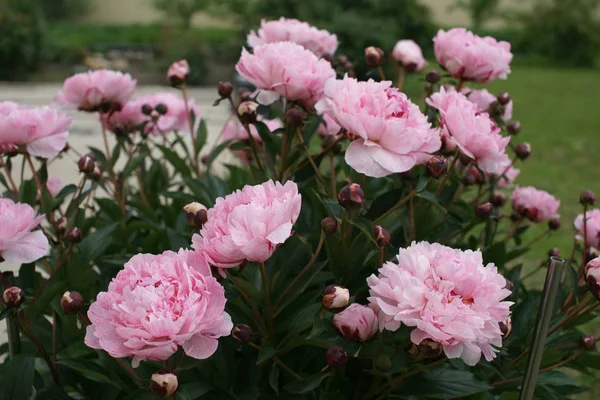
x=328, y=126
x=101, y=90
x=468, y=56
x=474, y=133
x=447, y=295
x=592, y=276
x=248, y=224
x=285, y=69
x=484, y=99
x=392, y=135
x=234, y=130
x=357, y=322
x=320, y=42
x=54, y=184
x=44, y=131
x=178, y=72
x=157, y=303
x=19, y=243
x=592, y=228
x=537, y=205
x=508, y=178
x=409, y=54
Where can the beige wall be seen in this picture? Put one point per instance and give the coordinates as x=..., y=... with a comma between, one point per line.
x=444, y=12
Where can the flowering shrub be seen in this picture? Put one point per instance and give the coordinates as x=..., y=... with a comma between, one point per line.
x=359, y=249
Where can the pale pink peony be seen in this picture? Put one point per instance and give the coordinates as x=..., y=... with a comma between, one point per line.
x=328, y=126
x=319, y=41
x=468, y=56
x=101, y=90
x=537, y=205
x=43, y=130
x=474, y=132
x=592, y=276
x=285, y=69
x=54, y=184
x=178, y=72
x=409, y=54
x=592, y=226
x=484, y=99
x=19, y=242
x=357, y=322
x=509, y=177
x=392, y=135
x=157, y=303
x=448, y=295
x=234, y=130
x=248, y=224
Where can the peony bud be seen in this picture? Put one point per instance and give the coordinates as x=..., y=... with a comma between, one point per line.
x=295, y=116
x=498, y=199
x=483, y=211
x=587, y=198
x=503, y=98
x=178, y=73
x=97, y=172
x=382, y=236
x=351, y=196
x=197, y=214
x=71, y=302
x=554, y=252
x=161, y=108
x=430, y=348
x=242, y=333
x=329, y=224
x=164, y=382
x=588, y=342
x=513, y=127
x=86, y=164
x=335, y=297
x=433, y=76
x=342, y=59
x=225, y=89
x=357, y=322
x=61, y=225
x=436, y=166
x=336, y=357
x=13, y=297
x=374, y=56
x=590, y=253
x=523, y=150
x=74, y=235
x=554, y=223
x=147, y=109
x=592, y=276
x=247, y=111
x=505, y=327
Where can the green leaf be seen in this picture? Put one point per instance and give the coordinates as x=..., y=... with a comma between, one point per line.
x=132, y=165
x=89, y=369
x=192, y=390
x=267, y=350
x=443, y=383
x=177, y=162
x=383, y=203
x=52, y=393
x=94, y=245
x=274, y=378
x=365, y=227
x=201, y=136
x=305, y=385
x=215, y=153
x=28, y=192
x=4, y=313
x=271, y=142
x=17, y=382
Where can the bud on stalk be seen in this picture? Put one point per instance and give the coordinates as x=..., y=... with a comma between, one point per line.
x=178, y=73
x=588, y=342
x=374, y=56
x=335, y=298
x=197, y=214
x=382, y=236
x=13, y=297
x=164, y=382
x=351, y=196
x=329, y=224
x=483, y=211
x=436, y=166
x=225, y=89
x=336, y=357
x=523, y=150
x=74, y=235
x=587, y=198
x=242, y=333
x=71, y=302
x=247, y=111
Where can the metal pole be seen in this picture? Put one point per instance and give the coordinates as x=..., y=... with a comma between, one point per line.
x=553, y=276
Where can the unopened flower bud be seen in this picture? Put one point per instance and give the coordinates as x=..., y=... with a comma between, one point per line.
x=74, y=235
x=86, y=164
x=295, y=116
x=204, y=159
x=197, y=214
x=13, y=297
x=97, y=172
x=247, y=112
x=329, y=224
x=587, y=198
x=592, y=274
x=382, y=236
x=590, y=253
x=351, y=196
x=161, y=108
x=503, y=98
x=554, y=223
x=374, y=56
x=147, y=109
x=164, y=382
x=242, y=333
x=71, y=302
x=513, y=127
x=225, y=89
x=588, y=342
x=430, y=348
x=436, y=166
x=336, y=357
x=348, y=66
x=498, y=199
x=342, y=59
x=61, y=225
x=335, y=297
x=178, y=73
x=483, y=211
x=433, y=76
x=523, y=150
x=327, y=57
x=554, y=252
x=505, y=327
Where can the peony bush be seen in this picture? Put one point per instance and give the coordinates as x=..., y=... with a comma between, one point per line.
x=360, y=245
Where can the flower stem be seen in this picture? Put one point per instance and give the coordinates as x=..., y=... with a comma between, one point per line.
x=450, y=169
x=10, y=178
x=411, y=214
x=332, y=176
x=380, y=72
x=312, y=162
x=396, y=206
x=401, y=75
x=259, y=319
x=267, y=300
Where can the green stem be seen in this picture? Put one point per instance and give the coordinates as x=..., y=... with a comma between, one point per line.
x=396, y=206
x=14, y=339
x=312, y=162
x=450, y=168
x=267, y=300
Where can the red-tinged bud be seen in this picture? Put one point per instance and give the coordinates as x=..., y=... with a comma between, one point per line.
x=329, y=224
x=588, y=342
x=225, y=89
x=483, y=211
x=147, y=109
x=164, y=382
x=197, y=214
x=13, y=297
x=86, y=164
x=513, y=127
x=178, y=73
x=74, y=235
x=554, y=223
x=247, y=111
x=71, y=302
x=554, y=252
x=161, y=108
x=335, y=298
x=587, y=198
x=505, y=327
x=430, y=348
x=382, y=236
x=351, y=196
x=374, y=56
x=295, y=116
x=433, y=76
x=242, y=333
x=436, y=166
x=336, y=357
x=523, y=150
x=503, y=98
x=498, y=199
